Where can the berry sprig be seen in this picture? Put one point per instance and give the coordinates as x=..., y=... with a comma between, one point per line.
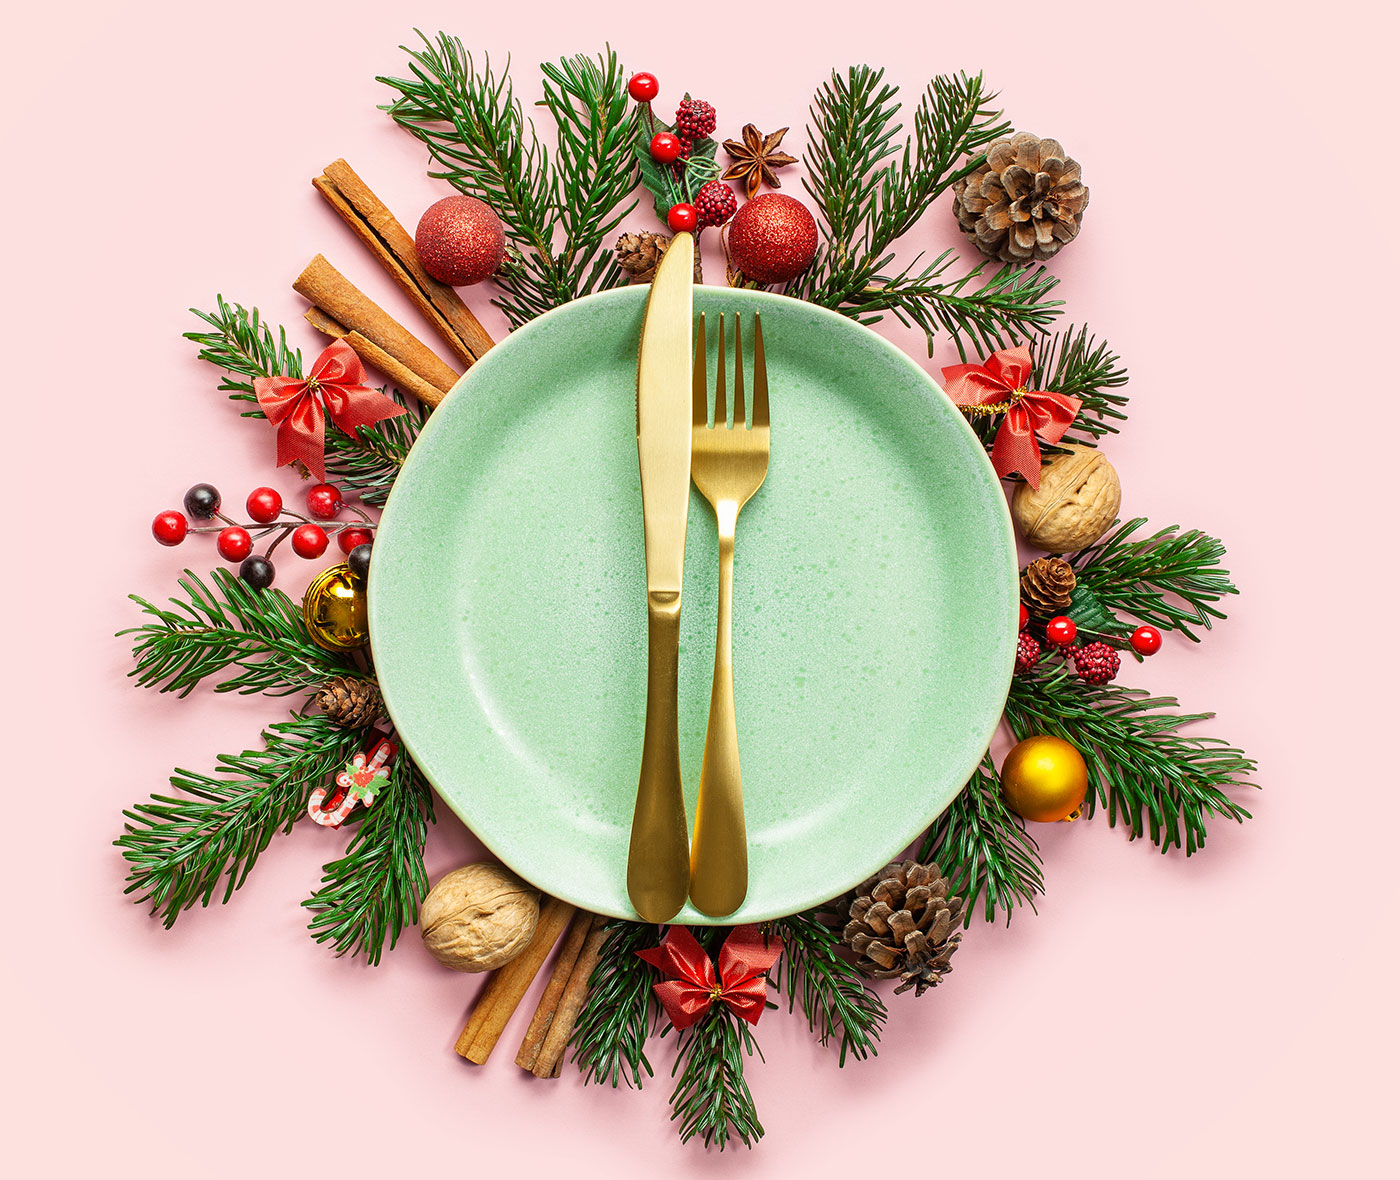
x=1095, y=663
x=268, y=517
x=678, y=162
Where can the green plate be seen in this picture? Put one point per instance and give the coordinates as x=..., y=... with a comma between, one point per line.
x=874, y=605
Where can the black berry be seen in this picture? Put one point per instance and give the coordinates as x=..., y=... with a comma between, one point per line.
x=257, y=571
x=203, y=500
x=358, y=560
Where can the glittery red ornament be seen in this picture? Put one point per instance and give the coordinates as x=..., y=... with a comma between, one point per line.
x=460, y=241
x=772, y=238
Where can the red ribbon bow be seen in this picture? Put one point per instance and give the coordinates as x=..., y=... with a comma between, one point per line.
x=1032, y=412
x=692, y=986
x=298, y=406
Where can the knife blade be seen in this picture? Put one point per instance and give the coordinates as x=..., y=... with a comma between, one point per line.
x=658, y=860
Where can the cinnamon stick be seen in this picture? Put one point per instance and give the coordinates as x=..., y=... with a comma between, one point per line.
x=369, y=352
x=393, y=246
x=559, y=977
x=329, y=290
x=505, y=989
x=556, y=1042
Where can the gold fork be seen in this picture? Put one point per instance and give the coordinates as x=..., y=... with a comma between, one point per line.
x=728, y=465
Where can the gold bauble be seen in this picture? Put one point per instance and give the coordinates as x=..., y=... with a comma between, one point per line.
x=336, y=610
x=1044, y=779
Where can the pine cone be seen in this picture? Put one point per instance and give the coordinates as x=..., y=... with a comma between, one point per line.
x=350, y=702
x=903, y=924
x=1046, y=586
x=638, y=255
x=1025, y=202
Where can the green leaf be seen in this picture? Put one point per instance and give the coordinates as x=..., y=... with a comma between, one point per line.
x=1094, y=619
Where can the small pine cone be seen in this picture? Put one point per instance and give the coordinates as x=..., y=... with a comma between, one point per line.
x=1027, y=652
x=638, y=255
x=695, y=119
x=1047, y=585
x=715, y=203
x=1025, y=202
x=351, y=702
x=1095, y=662
x=902, y=924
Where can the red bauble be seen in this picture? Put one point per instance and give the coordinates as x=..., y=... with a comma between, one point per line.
x=169, y=528
x=1061, y=630
x=324, y=501
x=234, y=543
x=347, y=539
x=460, y=241
x=1025, y=617
x=1146, y=641
x=665, y=147
x=682, y=218
x=309, y=540
x=772, y=239
x=264, y=505
x=643, y=87
x=715, y=203
x=1095, y=662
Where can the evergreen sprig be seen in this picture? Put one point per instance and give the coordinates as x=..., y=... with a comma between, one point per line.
x=834, y=998
x=370, y=894
x=180, y=848
x=1076, y=363
x=479, y=140
x=610, y=1035
x=1143, y=771
x=984, y=849
x=258, y=636
x=712, y=1098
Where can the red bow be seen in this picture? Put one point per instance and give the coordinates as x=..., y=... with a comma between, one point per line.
x=298, y=406
x=1030, y=412
x=692, y=986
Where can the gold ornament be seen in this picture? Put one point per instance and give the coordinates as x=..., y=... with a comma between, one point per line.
x=1044, y=779
x=336, y=610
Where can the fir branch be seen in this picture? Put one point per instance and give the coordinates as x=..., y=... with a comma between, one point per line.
x=1169, y=579
x=1142, y=770
x=371, y=463
x=984, y=849
x=834, y=998
x=712, y=1098
x=1075, y=363
x=258, y=634
x=372, y=892
x=180, y=848
x=610, y=1035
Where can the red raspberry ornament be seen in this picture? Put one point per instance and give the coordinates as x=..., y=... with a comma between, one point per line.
x=772, y=239
x=1060, y=630
x=643, y=87
x=715, y=203
x=682, y=217
x=695, y=119
x=460, y=241
x=1146, y=641
x=1027, y=653
x=665, y=147
x=169, y=528
x=234, y=543
x=1095, y=662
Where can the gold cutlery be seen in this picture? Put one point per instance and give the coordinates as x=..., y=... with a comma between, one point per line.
x=658, y=868
x=728, y=464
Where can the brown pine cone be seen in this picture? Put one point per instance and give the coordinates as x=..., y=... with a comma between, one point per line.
x=351, y=702
x=1025, y=202
x=638, y=255
x=904, y=925
x=1046, y=586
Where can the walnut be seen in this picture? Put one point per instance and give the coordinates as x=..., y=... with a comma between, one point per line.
x=1076, y=504
x=478, y=917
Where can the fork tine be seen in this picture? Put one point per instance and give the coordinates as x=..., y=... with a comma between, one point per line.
x=740, y=415
x=760, y=375
x=721, y=405
x=699, y=397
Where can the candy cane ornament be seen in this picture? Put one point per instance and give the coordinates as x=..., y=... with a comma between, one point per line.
x=361, y=780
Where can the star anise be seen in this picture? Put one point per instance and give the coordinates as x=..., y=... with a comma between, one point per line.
x=756, y=158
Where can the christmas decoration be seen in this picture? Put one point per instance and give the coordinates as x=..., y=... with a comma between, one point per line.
x=1024, y=201
x=695, y=119
x=1047, y=586
x=363, y=777
x=169, y=528
x=998, y=386
x=715, y=203
x=690, y=984
x=324, y=501
x=309, y=541
x=478, y=918
x=756, y=159
x=1146, y=641
x=352, y=538
x=1075, y=504
x=772, y=239
x=643, y=87
x=1027, y=652
x=1044, y=779
x=1095, y=662
x=358, y=559
x=335, y=611
x=203, y=501
x=264, y=505
x=1024, y=616
x=257, y=571
x=1061, y=631
x=682, y=218
x=351, y=702
x=460, y=241
x=665, y=147
x=235, y=543
x=902, y=925
x=639, y=254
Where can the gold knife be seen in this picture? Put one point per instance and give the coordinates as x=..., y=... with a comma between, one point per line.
x=658, y=860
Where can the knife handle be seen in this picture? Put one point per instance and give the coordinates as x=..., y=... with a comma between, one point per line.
x=658, y=860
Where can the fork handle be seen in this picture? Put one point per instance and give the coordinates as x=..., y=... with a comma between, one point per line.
x=657, y=859
x=719, y=858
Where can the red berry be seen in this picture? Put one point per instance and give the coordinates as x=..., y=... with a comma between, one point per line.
x=665, y=147
x=309, y=541
x=234, y=543
x=682, y=217
x=264, y=505
x=347, y=539
x=1027, y=652
x=324, y=501
x=1025, y=617
x=169, y=528
x=715, y=203
x=643, y=87
x=1061, y=631
x=1095, y=662
x=695, y=118
x=1146, y=641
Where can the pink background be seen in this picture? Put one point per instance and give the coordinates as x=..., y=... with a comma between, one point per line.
x=1158, y=1016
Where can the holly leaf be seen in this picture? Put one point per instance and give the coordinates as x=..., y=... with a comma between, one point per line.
x=1094, y=619
x=661, y=181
